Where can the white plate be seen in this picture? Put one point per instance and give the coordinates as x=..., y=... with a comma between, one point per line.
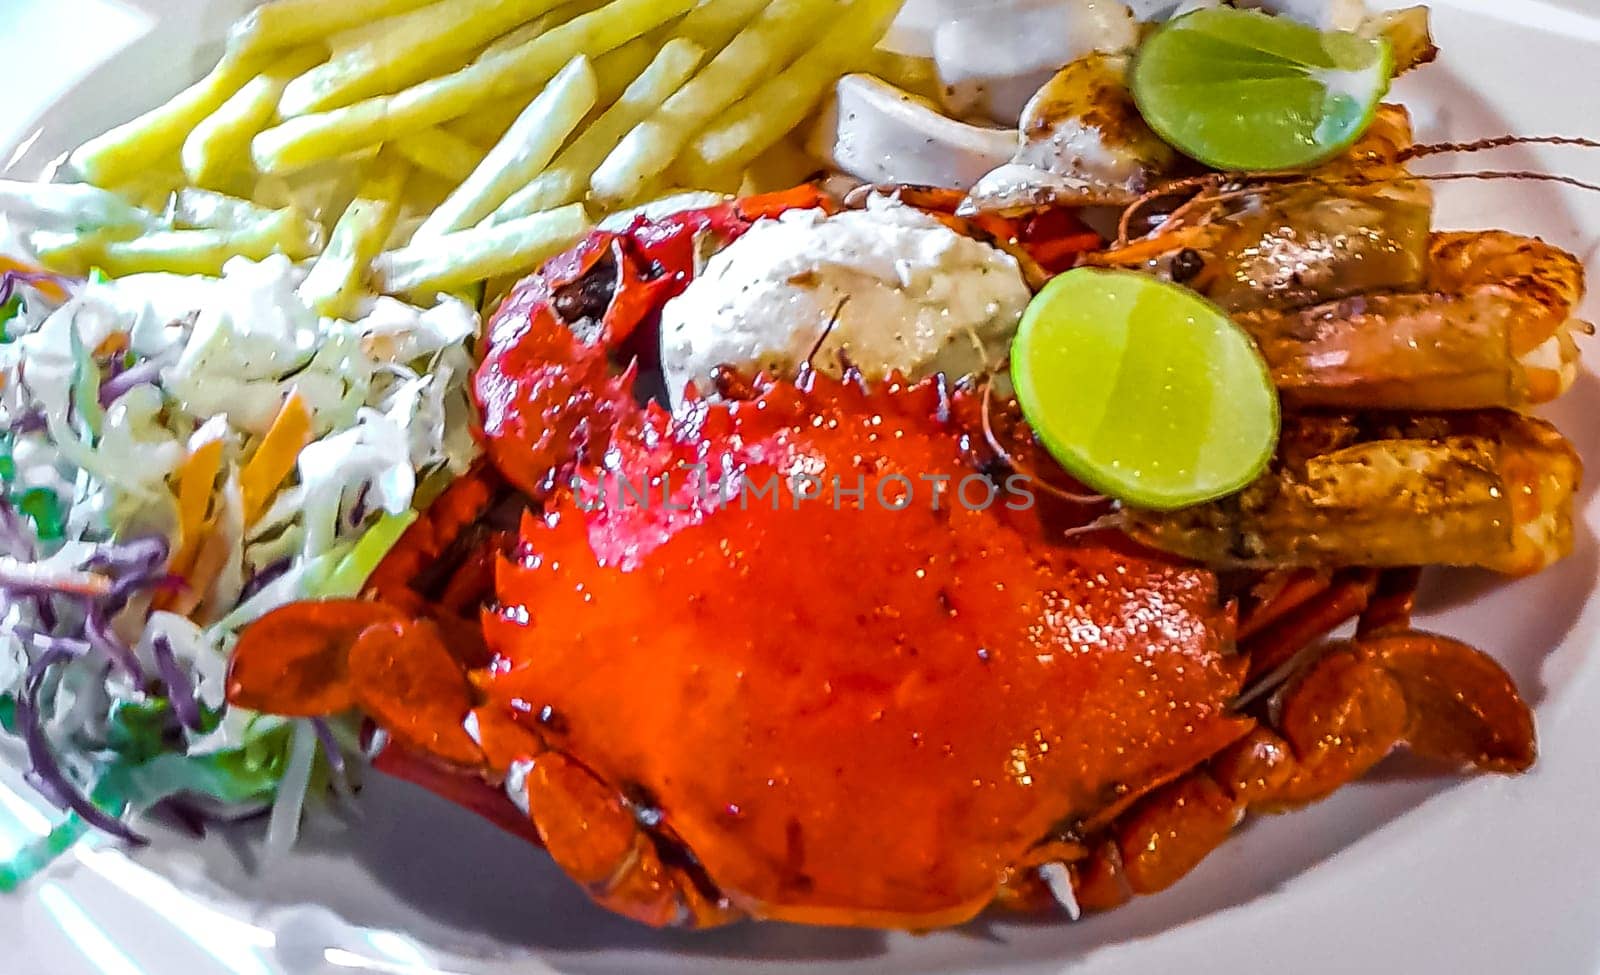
x=1391, y=874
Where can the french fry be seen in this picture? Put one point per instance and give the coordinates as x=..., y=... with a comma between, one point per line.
x=715, y=22
x=612, y=72
x=415, y=47
x=335, y=282
x=645, y=153
x=518, y=36
x=774, y=109
x=567, y=179
x=286, y=231
x=152, y=190
x=122, y=154
x=615, y=70
x=728, y=182
x=322, y=191
x=289, y=23
x=530, y=143
x=487, y=125
x=469, y=256
x=440, y=152
x=784, y=165
x=918, y=75
x=216, y=154
x=540, y=24
x=327, y=135
x=73, y=206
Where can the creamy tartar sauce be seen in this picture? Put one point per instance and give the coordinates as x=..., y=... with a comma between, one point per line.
x=908, y=293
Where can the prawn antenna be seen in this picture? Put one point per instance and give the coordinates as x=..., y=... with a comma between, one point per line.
x=1476, y=174
x=1212, y=193
x=1209, y=181
x=1479, y=145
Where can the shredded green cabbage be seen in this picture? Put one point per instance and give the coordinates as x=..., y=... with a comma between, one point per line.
x=351, y=573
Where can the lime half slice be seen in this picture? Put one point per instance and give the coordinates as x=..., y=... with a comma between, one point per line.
x=1243, y=90
x=1143, y=390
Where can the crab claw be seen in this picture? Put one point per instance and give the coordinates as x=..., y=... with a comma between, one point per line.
x=317, y=658
x=1461, y=706
x=1440, y=697
x=547, y=393
x=408, y=681
x=597, y=836
x=294, y=661
x=1340, y=718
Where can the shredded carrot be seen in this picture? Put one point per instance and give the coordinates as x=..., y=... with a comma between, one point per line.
x=114, y=344
x=803, y=197
x=47, y=286
x=196, y=480
x=275, y=458
x=207, y=562
x=1059, y=252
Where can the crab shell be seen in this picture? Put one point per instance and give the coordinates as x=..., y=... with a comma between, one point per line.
x=851, y=709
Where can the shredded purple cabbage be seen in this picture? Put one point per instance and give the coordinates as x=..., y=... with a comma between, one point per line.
x=46, y=611
x=358, y=508
x=105, y=640
x=336, y=764
x=142, y=374
x=132, y=565
x=180, y=690
x=72, y=646
x=10, y=279
x=269, y=574
x=31, y=421
x=46, y=774
x=330, y=745
x=16, y=537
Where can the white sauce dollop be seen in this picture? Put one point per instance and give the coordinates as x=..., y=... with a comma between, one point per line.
x=908, y=292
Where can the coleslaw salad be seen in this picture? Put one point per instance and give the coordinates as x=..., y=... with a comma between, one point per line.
x=180, y=454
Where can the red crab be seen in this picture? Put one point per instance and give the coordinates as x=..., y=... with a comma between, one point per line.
x=890, y=708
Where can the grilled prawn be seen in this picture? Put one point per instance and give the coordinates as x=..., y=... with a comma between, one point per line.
x=1488, y=488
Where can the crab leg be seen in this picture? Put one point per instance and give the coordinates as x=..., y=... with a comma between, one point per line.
x=1391, y=603
x=1338, y=602
x=1438, y=697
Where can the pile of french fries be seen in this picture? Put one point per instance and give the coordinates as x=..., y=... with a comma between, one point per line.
x=413, y=147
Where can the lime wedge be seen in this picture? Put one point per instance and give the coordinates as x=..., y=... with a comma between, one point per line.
x=1242, y=90
x=1143, y=390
